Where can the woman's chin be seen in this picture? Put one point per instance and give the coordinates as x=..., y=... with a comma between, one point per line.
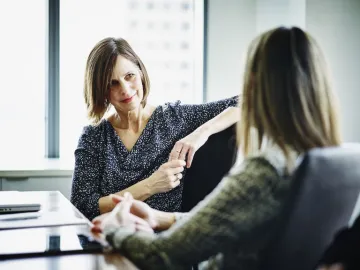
x=125, y=107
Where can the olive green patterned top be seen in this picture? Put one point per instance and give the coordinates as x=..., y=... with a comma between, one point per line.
x=227, y=230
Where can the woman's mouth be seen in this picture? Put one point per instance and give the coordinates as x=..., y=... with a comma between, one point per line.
x=128, y=100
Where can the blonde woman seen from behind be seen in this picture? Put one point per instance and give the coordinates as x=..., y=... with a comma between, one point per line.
x=288, y=102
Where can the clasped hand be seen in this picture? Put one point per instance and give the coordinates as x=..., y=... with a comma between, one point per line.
x=128, y=213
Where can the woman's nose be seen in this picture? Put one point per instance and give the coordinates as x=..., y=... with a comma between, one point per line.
x=124, y=88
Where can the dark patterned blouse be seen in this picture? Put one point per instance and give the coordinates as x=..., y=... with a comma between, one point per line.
x=104, y=166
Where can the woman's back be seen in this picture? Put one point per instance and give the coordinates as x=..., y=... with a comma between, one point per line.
x=287, y=108
x=248, y=204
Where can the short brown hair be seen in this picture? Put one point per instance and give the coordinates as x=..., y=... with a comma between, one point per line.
x=99, y=69
x=287, y=96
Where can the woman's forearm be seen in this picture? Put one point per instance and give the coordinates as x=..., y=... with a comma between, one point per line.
x=140, y=191
x=220, y=122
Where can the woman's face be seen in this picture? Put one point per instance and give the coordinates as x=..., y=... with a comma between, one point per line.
x=126, y=90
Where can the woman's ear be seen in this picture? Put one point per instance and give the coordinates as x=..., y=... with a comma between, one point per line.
x=107, y=98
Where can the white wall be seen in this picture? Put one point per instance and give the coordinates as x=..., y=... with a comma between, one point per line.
x=272, y=13
x=232, y=24
x=336, y=26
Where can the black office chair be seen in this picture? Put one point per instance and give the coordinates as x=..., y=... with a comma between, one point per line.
x=344, y=248
x=326, y=187
x=211, y=162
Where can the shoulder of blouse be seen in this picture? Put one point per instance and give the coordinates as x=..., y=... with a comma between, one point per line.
x=171, y=106
x=95, y=130
x=91, y=136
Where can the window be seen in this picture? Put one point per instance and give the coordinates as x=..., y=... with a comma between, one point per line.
x=23, y=78
x=163, y=33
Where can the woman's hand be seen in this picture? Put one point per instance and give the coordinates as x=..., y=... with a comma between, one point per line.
x=121, y=216
x=139, y=209
x=185, y=148
x=157, y=220
x=167, y=177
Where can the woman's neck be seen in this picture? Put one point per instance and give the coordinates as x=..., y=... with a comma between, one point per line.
x=132, y=120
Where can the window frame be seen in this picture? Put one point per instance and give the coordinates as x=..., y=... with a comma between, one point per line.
x=52, y=110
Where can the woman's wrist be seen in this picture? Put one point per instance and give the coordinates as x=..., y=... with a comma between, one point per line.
x=164, y=220
x=106, y=204
x=140, y=191
x=146, y=186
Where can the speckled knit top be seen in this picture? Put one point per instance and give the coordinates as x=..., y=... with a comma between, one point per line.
x=104, y=166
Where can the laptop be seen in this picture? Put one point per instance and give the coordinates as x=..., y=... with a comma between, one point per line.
x=18, y=202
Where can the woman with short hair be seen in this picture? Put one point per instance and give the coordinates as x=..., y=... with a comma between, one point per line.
x=139, y=148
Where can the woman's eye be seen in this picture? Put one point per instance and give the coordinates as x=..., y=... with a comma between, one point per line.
x=114, y=83
x=130, y=76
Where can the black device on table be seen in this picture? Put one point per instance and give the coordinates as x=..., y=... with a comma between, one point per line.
x=47, y=241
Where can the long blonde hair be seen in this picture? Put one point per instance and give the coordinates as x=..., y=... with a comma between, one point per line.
x=287, y=96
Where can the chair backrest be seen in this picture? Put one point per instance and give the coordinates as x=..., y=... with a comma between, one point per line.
x=211, y=162
x=326, y=187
